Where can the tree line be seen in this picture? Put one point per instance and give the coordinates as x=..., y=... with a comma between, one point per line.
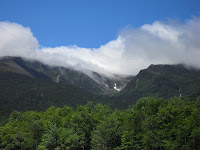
x=150, y=124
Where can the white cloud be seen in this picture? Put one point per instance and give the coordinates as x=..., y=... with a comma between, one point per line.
x=133, y=50
x=16, y=40
x=163, y=31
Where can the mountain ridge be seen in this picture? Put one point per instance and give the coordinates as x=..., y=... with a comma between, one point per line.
x=96, y=84
x=161, y=81
x=31, y=85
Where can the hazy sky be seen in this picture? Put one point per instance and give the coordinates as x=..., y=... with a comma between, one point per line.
x=119, y=36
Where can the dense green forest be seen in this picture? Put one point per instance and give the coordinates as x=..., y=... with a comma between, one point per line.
x=149, y=124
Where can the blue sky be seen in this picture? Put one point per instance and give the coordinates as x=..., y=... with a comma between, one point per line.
x=105, y=36
x=91, y=23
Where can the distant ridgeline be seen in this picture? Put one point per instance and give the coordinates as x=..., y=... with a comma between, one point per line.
x=93, y=82
x=149, y=124
x=31, y=85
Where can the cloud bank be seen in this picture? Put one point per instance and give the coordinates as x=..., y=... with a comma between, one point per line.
x=133, y=50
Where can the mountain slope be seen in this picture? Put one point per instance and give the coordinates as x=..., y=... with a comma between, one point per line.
x=161, y=81
x=38, y=70
x=21, y=92
x=96, y=83
x=31, y=85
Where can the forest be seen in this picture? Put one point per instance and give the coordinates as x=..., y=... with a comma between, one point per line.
x=151, y=124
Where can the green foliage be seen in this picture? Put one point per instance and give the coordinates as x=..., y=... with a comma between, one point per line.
x=149, y=124
x=107, y=134
x=50, y=138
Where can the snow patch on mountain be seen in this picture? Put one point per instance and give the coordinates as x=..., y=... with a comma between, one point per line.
x=115, y=87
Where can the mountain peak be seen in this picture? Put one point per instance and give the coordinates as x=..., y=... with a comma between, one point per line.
x=163, y=81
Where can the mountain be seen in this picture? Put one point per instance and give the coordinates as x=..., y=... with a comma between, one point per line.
x=21, y=92
x=22, y=88
x=95, y=83
x=161, y=81
x=32, y=85
x=115, y=83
